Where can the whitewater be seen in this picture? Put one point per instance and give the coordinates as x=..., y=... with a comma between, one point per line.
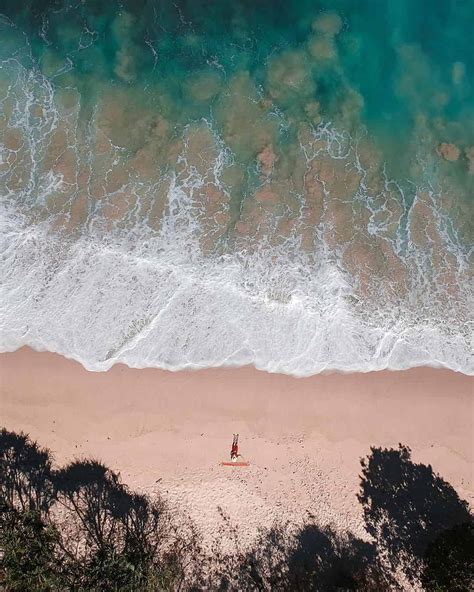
x=101, y=304
x=146, y=299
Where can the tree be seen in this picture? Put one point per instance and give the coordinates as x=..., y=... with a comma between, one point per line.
x=80, y=528
x=87, y=491
x=29, y=560
x=25, y=473
x=27, y=539
x=116, y=539
x=146, y=543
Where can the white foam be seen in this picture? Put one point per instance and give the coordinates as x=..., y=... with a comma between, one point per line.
x=152, y=299
x=101, y=305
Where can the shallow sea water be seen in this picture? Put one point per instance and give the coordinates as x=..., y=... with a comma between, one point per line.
x=195, y=184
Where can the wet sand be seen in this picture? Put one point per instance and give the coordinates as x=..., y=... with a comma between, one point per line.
x=304, y=438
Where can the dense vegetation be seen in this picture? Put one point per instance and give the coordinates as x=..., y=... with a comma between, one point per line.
x=80, y=528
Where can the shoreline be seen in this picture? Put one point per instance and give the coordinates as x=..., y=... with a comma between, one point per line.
x=224, y=365
x=304, y=437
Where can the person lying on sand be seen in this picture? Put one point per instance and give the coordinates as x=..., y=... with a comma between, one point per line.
x=234, y=451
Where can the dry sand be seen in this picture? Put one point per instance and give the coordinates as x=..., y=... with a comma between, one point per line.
x=304, y=437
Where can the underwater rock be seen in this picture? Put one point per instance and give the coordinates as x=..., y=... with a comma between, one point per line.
x=12, y=139
x=289, y=78
x=322, y=48
x=329, y=23
x=449, y=152
x=266, y=195
x=266, y=160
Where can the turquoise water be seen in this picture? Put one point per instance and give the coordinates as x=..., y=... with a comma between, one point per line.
x=288, y=184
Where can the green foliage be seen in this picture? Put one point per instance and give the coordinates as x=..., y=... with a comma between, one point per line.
x=25, y=473
x=28, y=544
x=80, y=528
x=126, y=535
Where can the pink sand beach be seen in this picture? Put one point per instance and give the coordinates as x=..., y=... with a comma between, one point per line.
x=303, y=437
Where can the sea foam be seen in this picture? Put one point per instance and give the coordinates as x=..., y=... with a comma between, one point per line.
x=105, y=293
x=104, y=302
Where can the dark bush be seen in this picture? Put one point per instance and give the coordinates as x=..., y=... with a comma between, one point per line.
x=80, y=528
x=25, y=473
x=28, y=546
x=27, y=538
x=128, y=540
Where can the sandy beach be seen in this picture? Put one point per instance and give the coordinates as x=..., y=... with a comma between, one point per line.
x=304, y=438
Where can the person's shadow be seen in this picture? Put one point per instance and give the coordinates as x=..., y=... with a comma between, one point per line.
x=406, y=506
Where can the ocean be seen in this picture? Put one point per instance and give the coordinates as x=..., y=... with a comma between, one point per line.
x=194, y=183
